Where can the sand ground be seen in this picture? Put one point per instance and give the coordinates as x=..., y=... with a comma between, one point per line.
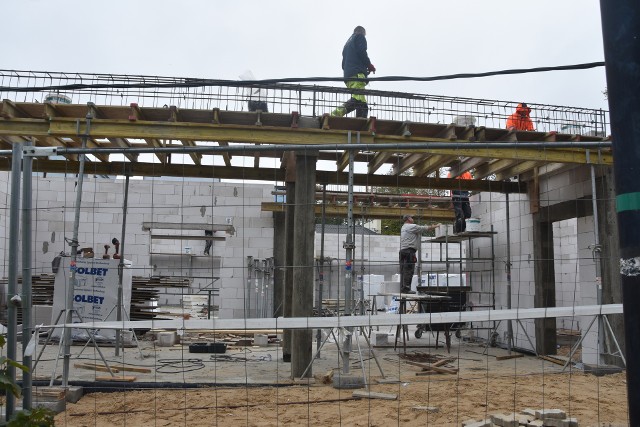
x=251, y=386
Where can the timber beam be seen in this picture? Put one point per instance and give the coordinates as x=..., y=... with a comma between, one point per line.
x=379, y=212
x=101, y=128
x=273, y=174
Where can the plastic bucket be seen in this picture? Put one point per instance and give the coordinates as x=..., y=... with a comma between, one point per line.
x=473, y=224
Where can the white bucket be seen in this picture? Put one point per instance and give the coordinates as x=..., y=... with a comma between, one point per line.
x=260, y=340
x=127, y=337
x=473, y=224
x=167, y=339
x=381, y=338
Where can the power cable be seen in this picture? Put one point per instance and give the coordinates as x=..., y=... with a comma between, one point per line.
x=195, y=82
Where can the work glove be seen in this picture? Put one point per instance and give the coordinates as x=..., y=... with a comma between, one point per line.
x=371, y=68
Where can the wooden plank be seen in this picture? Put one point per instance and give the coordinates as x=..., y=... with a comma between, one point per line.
x=187, y=226
x=432, y=409
x=120, y=367
x=552, y=360
x=364, y=394
x=184, y=237
x=123, y=378
x=509, y=356
x=443, y=361
x=429, y=366
x=94, y=367
x=388, y=381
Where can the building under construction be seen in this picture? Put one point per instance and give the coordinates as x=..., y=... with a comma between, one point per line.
x=238, y=216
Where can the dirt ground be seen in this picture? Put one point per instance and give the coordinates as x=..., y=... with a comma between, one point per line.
x=594, y=401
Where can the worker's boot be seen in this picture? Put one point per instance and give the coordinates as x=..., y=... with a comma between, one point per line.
x=350, y=105
x=346, y=108
x=362, y=109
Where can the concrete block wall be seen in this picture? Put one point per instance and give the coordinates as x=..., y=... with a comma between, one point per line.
x=202, y=201
x=588, y=289
x=567, y=269
x=173, y=201
x=491, y=209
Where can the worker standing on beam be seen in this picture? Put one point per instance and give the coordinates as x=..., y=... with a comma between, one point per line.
x=355, y=64
x=409, y=242
x=461, y=206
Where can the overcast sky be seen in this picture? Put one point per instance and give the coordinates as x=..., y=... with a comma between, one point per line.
x=285, y=38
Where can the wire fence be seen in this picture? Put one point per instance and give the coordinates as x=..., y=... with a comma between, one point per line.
x=308, y=100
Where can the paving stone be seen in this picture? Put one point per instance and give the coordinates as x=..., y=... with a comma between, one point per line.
x=546, y=414
x=505, y=420
x=601, y=370
x=474, y=423
x=524, y=419
x=529, y=411
x=567, y=422
x=535, y=423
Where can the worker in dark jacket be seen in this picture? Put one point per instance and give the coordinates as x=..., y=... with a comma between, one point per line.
x=355, y=64
x=461, y=206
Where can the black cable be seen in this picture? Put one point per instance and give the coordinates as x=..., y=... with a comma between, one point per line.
x=194, y=82
x=177, y=366
x=230, y=358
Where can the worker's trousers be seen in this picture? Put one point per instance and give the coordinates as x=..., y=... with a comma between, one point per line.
x=407, y=265
x=357, y=102
x=463, y=212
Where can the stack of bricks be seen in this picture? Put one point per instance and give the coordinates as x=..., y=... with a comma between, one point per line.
x=527, y=417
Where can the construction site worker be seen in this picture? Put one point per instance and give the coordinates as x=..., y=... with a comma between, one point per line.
x=461, y=206
x=355, y=64
x=208, y=243
x=520, y=120
x=409, y=242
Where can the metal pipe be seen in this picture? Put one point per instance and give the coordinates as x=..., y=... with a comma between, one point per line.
x=27, y=320
x=12, y=287
x=66, y=337
x=423, y=145
x=121, y=264
x=321, y=272
x=349, y=246
x=249, y=283
x=361, y=277
x=596, y=252
x=508, y=267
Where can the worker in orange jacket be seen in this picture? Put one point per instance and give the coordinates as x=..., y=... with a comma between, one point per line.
x=461, y=206
x=520, y=120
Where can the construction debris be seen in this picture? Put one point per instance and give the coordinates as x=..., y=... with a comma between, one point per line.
x=527, y=417
x=366, y=394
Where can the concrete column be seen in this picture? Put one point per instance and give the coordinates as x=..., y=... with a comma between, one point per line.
x=289, y=238
x=279, y=262
x=545, y=285
x=303, y=264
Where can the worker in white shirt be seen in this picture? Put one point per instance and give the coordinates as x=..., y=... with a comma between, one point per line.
x=410, y=234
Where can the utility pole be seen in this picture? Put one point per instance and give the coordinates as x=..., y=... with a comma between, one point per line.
x=621, y=36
